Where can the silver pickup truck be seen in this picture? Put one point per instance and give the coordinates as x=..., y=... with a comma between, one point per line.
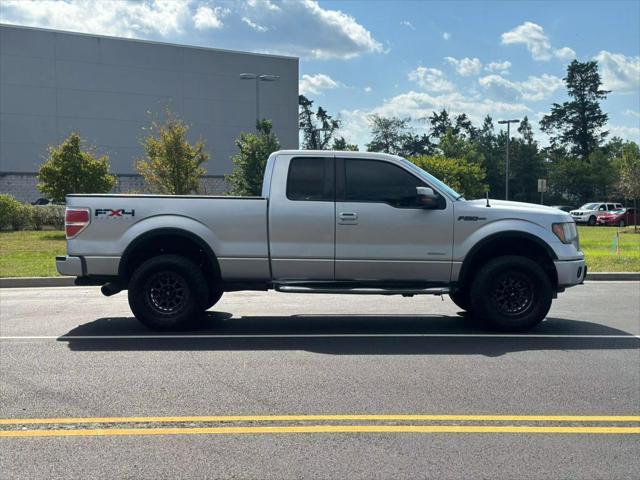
x=327, y=222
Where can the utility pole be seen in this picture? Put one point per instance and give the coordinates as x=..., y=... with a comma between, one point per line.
x=258, y=78
x=506, y=183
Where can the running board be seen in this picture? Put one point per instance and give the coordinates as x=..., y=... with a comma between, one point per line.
x=362, y=290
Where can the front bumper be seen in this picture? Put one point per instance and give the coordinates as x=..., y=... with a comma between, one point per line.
x=70, y=266
x=582, y=218
x=570, y=272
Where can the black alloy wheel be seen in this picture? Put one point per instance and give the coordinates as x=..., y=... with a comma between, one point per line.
x=513, y=293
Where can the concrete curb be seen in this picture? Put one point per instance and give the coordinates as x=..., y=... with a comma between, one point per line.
x=613, y=276
x=25, y=282
x=22, y=282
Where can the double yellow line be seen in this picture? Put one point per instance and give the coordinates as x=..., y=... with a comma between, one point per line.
x=108, y=426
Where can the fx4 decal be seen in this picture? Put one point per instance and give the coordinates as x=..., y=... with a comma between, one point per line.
x=117, y=213
x=471, y=219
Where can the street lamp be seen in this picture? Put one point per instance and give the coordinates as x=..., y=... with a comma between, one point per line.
x=506, y=187
x=258, y=78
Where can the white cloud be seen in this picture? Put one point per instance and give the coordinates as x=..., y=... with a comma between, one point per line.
x=254, y=25
x=565, y=53
x=266, y=4
x=624, y=132
x=291, y=27
x=632, y=113
x=368, y=89
x=619, y=73
x=207, y=17
x=344, y=37
x=408, y=24
x=431, y=79
x=533, y=89
x=537, y=42
x=465, y=66
x=502, y=67
x=446, y=35
x=314, y=84
x=120, y=18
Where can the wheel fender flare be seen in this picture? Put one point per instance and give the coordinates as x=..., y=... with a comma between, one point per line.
x=506, y=235
x=165, y=231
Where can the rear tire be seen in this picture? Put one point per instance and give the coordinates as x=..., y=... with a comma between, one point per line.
x=168, y=292
x=511, y=293
x=592, y=220
x=461, y=299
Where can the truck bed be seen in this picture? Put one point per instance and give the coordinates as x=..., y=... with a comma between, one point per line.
x=234, y=227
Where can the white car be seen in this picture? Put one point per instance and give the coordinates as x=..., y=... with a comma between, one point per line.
x=589, y=212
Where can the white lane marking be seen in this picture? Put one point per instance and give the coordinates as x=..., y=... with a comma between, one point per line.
x=311, y=335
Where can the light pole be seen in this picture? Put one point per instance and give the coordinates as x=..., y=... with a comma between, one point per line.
x=258, y=78
x=506, y=184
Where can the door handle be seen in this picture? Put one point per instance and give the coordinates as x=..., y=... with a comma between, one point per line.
x=348, y=218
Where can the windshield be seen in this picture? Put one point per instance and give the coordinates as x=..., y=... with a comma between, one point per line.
x=431, y=179
x=589, y=206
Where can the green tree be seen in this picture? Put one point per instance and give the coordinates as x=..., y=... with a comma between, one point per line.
x=464, y=177
x=339, y=143
x=526, y=165
x=69, y=169
x=579, y=122
x=317, y=127
x=440, y=123
x=388, y=134
x=461, y=125
x=395, y=136
x=492, y=148
x=629, y=165
x=453, y=145
x=249, y=164
x=172, y=165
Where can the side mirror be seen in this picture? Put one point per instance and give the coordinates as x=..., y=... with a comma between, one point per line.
x=426, y=192
x=427, y=197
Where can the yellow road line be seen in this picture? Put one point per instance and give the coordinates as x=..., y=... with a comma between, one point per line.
x=322, y=429
x=302, y=418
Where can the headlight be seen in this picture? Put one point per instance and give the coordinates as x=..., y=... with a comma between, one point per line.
x=567, y=233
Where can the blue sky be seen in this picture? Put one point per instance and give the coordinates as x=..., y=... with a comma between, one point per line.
x=402, y=58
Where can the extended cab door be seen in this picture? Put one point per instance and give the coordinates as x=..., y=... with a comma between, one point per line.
x=383, y=233
x=302, y=218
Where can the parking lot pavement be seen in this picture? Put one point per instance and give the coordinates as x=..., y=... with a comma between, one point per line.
x=269, y=387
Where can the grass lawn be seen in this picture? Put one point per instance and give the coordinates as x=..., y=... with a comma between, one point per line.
x=597, y=244
x=32, y=254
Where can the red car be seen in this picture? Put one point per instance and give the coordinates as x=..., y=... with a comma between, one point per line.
x=619, y=218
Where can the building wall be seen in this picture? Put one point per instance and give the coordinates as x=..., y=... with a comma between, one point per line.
x=107, y=89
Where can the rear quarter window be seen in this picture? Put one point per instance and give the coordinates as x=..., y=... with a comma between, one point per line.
x=311, y=179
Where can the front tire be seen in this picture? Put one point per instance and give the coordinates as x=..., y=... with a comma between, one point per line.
x=621, y=224
x=168, y=292
x=511, y=293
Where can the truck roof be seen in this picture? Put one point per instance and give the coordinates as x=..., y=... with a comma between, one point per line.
x=317, y=153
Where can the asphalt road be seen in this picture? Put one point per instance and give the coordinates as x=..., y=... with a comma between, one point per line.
x=68, y=353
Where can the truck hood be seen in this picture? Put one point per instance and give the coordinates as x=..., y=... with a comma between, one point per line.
x=502, y=209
